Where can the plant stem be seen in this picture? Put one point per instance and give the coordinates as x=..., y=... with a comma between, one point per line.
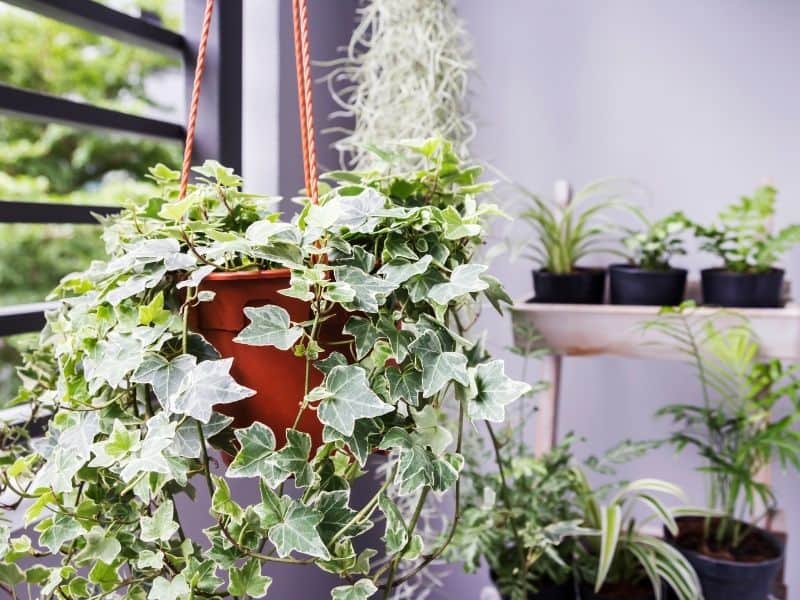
x=412, y=525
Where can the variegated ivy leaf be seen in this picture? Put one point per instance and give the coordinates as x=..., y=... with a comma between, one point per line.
x=457, y=227
x=370, y=292
x=356, y=213
x=196, y=277
x=465, y=279
x=405, y=384
x=431, y=427
x=150, y=457
x=58, y=471
x=265, y=232
x=438, y=367
x=494, y=390
x=399, y=271
x=99, y=546
x=348, y=397
x=270, y=325
x=58, y=530
x=360, y=442
x=396, y=531
x=297, y=532
x=160, y=527
x=337, y=514
x=164, y=589
x=208, y=384
x=292, y=459
x=150, y=560
x=248, y=582
x=165, y=376
x=419, y=286
x=112, y=359
x=187, y=437
x=417, y=465
x=364, y=333
x=362, y=589
x=136, y=284
x=398, y=338
x=120, y=443
x=256, y=446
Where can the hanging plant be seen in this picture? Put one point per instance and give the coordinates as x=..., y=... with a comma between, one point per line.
x=405, y=76
x=136, y=395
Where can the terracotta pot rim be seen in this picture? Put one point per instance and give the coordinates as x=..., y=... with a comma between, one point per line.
x=249, y=275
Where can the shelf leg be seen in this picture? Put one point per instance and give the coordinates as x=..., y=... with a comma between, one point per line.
x=547, y=413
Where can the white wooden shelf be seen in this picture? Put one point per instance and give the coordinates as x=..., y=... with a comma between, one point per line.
x=594, y=329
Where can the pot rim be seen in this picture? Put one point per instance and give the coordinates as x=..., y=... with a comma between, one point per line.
x=637, y=270
x=768, y=535
x=573, y=273
x=249, y=275
x=723, y=272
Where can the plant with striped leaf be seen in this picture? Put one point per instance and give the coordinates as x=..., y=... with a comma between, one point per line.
x=570, y=228
x=622, y=552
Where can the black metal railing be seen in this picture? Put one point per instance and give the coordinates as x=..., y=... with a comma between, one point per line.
x=219, y=133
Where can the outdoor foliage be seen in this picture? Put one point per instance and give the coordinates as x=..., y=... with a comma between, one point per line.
x=743, y=237
x=747, y=419
x=131, y=387
x=654, y=248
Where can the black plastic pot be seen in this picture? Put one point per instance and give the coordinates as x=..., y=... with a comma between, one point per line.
x=630, y=284
x=582, y=286
x=563, y=591
x=587, y=593
x=742, y=290
x=726, y=579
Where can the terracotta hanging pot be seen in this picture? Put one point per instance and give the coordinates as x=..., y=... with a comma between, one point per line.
x=277, y=376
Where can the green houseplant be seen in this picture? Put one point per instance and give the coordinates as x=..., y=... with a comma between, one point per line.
x=567, y=229
x=648, y=278
x=542, y=527
x=749, y=252
x=738, y=433
x=133, y=389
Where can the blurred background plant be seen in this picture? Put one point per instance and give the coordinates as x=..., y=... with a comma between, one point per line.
x=49, y=162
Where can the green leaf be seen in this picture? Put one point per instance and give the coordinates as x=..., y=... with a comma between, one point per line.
x=164, y=376
x=222, y=503
x=99, y=546
x=297, y=532
x=360, y=442
x=364, y=333
x=398, y=338
x=154, y=312
x=256, y=446
x=361, y=590
x=293, y=457
x=465, y=279
x=248, y=581
x=150, y=560
x=159, y=527
x=11, y=574
x=399, y=271
x=163, y=589
x=495, y=390
x=405, y=384
x=370, y=292
x=120, y=443
x=336, y=514
x=208, y=384
x=270, y=325
x=610, y=526
x=431, y=426
x=349, y=398
x=396, y=532
x=438, y=367
x=59, y=531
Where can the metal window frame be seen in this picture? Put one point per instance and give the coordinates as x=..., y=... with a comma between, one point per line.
x=219, y=133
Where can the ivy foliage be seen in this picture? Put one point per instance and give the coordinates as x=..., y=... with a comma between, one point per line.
x=131, y=388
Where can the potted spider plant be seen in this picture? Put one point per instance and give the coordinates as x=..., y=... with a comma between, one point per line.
x=649, y=279
x=134, y=388
x=749, y=252
x=623, y=560
x=737, y=433
x=566, y=231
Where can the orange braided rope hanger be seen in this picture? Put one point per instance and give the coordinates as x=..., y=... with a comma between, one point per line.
x=302, y=52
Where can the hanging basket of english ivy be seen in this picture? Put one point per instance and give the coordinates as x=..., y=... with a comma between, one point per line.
x=352, y=315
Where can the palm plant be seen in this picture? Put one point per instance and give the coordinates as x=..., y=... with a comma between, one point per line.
x=734, y=429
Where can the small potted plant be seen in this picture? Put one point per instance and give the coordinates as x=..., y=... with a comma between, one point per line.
x=624, y=561
x=738, y=433
x=522, y=520
x=567, y=230
x=649, y=279
x=749, y=252
x=135, y=390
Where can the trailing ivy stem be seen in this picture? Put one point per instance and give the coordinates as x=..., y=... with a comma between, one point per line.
x=307, y=383
x=206, y=462
x=412, y=525
x=366, y=511
x=507, y=500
